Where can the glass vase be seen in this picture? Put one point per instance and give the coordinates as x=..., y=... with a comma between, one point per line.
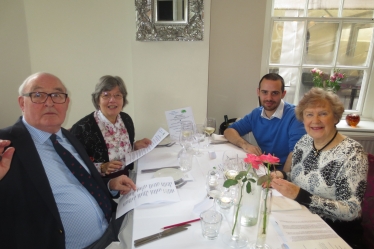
x=263, y=221
x=251, y=202
x=233, y=238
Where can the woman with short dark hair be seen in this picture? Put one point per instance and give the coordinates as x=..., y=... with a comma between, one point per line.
x=108, y=133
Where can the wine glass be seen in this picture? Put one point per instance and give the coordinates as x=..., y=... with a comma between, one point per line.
x=210, y=127
x=232, y=164
x=213, y=185
x=199, y=136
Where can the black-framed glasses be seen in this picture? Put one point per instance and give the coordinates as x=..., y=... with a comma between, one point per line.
x=106, y=96
x=41, y=97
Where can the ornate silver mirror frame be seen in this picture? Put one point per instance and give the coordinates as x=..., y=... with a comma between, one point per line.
x=149, y=28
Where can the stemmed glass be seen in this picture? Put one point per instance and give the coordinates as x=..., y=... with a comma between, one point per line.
x=232, y=164
x=225, y=197
x=210, y=127
x=213, y=186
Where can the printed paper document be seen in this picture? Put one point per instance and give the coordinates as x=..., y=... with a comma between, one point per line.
x=307, y=231
x=155, y=190
x=135, y=155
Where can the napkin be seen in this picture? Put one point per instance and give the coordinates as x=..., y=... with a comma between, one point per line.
x=187, y=176
x=219, y=137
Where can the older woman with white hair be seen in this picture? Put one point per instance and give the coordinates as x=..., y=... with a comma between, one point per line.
x=328, y=174
x=108, y=133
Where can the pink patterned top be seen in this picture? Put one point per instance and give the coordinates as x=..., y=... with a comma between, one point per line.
x=116, y=138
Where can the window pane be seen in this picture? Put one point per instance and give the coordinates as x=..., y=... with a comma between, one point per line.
x=349, y=89
x=289, y=8
x=287, y=43
x=307, y=81
x=291, y=81
x=320, y=42
x=358, y=8
x=355, y=42
x=323, y=8
x=341, y=42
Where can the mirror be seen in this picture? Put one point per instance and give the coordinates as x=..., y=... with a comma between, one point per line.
x=169, y=20
x=170, y=11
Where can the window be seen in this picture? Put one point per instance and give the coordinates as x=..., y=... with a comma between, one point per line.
x=328, y=35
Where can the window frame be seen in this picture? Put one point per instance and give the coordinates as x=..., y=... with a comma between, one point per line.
x=365, y=103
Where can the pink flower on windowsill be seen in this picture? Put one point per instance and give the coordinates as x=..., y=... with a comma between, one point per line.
x=322, y=80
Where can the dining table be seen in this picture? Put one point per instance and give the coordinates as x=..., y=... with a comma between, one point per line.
x=149, y=219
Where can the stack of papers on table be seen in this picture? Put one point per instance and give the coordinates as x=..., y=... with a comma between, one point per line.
x=281, y=203
x=153, y=191
x=307, y=231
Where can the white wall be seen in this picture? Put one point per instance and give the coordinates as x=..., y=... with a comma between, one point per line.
x=14, y=58
x=80, y=41
x=170, y=75
x=236, y=43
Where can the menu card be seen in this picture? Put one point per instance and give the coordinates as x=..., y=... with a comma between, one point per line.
x=174, y=119
x=135, y=155
x=155, y=190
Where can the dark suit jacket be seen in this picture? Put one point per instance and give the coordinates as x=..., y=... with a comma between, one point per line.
x=88, y=133
x=29, y=217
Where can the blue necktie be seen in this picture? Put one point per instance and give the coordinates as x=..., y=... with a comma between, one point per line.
x=83, y=177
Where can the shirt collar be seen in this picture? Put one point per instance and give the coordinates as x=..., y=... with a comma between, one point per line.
x=37, y=135
x=104, y=120
x=277, y=114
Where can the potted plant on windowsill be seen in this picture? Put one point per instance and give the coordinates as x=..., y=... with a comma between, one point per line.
x=322, y=80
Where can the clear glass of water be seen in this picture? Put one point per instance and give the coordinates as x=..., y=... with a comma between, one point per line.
x=210, y=221
x=199, y=137
x=227, y=197
x=213, y=184
x=185, y=160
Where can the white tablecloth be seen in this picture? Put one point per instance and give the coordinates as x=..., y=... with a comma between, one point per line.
x=145, y=221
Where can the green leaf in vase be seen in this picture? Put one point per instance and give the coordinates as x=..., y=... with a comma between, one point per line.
x=263, y=179
x=248, y=187
x=241, y=175
x=230, y=182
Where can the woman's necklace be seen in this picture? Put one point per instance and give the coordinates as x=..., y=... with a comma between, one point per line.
x=317, y=152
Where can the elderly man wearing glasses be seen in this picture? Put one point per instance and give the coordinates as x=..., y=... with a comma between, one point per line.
x=108, y=134
x=51, y=195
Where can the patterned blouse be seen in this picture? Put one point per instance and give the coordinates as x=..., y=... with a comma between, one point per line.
x=332, y=183
x=115, y=136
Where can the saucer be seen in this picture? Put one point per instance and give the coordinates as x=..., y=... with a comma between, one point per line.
x=175, y=173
